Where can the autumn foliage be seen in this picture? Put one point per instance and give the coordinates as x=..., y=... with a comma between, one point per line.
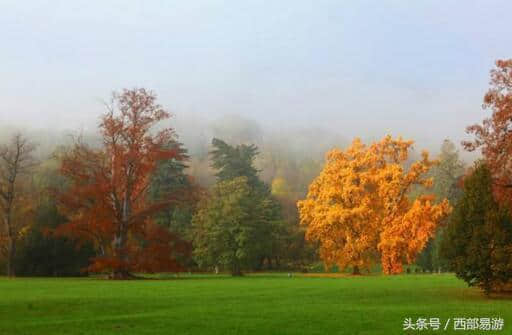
x=358, y=208
x=494, y=135
x=106, y=201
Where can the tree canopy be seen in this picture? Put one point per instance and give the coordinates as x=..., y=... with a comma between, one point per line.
x=494, y=135
x=358, y=209
x=107, y=201
x=239, y=226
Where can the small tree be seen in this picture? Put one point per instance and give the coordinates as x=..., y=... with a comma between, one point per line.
x=478, y=238
x=43, y=254
x=16, y=161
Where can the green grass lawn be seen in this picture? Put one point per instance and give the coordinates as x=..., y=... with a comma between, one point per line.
x=255, y=304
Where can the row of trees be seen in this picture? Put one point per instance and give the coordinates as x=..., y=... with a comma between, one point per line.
x=127, y=204
x=478, y=239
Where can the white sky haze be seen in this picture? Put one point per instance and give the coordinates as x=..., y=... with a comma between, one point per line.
x=416, y=68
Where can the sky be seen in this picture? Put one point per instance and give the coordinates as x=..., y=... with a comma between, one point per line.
x=355, y=68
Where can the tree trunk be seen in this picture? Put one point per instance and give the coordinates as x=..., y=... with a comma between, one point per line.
x=235, y=270
x=355, y=270
x=11, y=254
x=386, y=267
x=121, y=272
x=269, y=262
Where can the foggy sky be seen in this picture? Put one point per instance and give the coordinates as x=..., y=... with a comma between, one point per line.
x=415, y=68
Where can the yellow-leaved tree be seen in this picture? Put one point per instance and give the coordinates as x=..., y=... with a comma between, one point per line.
x=358, y=208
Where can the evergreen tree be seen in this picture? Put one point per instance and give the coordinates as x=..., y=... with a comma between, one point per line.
x=478, y=238
x=241, y=225
x=168, y=180
x=171, y=182
x=235, y=161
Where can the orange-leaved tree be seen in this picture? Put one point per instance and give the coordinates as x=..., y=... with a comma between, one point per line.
x=358, y=208
x=106, y=200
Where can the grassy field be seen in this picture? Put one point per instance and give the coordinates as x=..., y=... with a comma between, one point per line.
x=256, y=304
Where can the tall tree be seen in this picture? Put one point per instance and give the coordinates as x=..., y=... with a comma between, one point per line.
x=254, y=205
x=448, y=171
x=170, y=178
x=446, y=177
x=494, y=135
x=238, y=161
x=235, y=161
x=16, y=161
x=479, y=237
x=107, y=200
x=358, y=207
